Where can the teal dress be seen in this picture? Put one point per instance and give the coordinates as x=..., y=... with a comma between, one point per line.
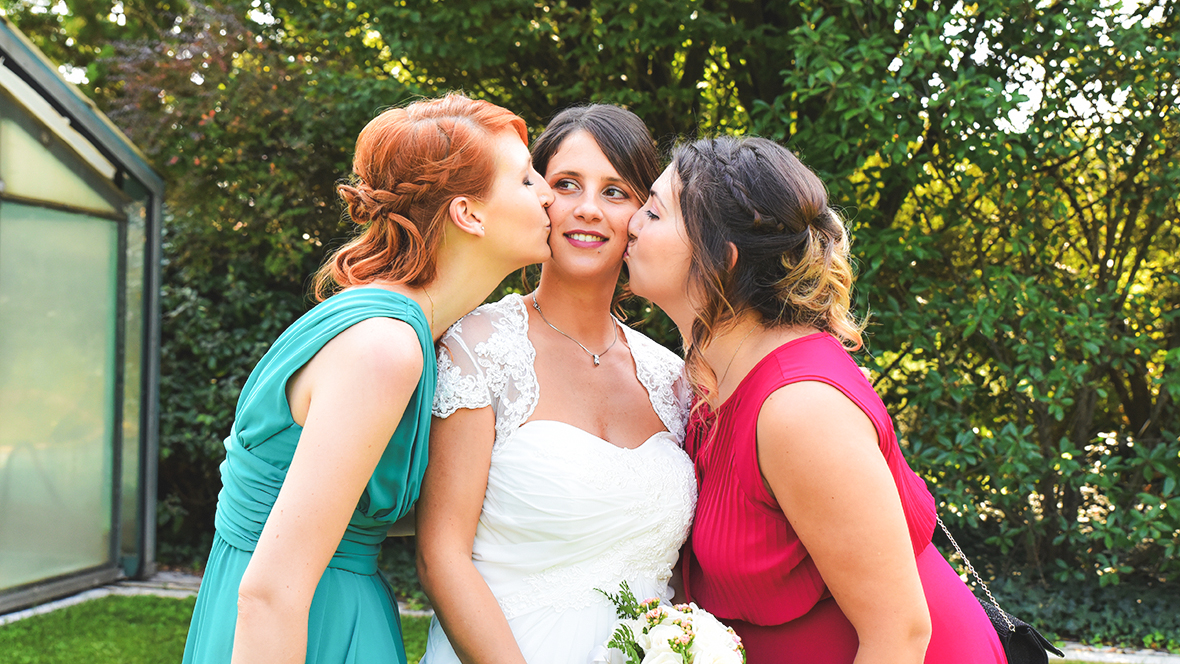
x=354, y=614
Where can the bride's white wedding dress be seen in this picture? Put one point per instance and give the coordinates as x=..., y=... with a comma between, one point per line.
x=565, y=513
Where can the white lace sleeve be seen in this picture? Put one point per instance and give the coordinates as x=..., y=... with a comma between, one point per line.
x=661, y=372
x=461, y=383
x=487, y=360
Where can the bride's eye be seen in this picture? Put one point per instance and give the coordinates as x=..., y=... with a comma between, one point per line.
x=615, y=193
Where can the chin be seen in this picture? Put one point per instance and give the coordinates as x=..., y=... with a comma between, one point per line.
x=637, y=287
x=542, y=256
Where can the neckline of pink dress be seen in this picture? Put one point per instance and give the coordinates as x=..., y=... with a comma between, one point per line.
x=758, y=366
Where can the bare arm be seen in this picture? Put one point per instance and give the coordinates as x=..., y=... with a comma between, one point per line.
x=830, y=478
x=354, y=391
x=448, y=513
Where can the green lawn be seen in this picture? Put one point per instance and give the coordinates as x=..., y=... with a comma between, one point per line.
x=125, y=630
x=134, y=630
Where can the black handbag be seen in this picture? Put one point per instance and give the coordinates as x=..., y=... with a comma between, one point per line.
x=1022, y=643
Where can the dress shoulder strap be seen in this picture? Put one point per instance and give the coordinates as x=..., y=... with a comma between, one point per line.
x=264, y=396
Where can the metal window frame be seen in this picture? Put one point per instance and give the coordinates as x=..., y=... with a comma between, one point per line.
x=134, y=173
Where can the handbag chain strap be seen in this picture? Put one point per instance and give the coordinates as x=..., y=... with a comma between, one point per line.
x=970, y=568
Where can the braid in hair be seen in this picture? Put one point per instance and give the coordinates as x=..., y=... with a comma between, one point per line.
x=409, y=164
x=389, y=240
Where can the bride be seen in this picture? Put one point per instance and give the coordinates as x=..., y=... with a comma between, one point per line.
x=556, y=464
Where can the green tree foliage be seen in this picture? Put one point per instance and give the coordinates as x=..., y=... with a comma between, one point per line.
x=1013, y=178
x=253, y=146
x=1009, y=170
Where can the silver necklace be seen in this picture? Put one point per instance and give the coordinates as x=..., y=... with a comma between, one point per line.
x=537, y=306
x=734, y=357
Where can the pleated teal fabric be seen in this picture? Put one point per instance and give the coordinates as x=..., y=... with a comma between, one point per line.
x=353, y=614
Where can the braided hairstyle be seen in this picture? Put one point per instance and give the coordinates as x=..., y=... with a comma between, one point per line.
x=793, y=265
x=410, y=163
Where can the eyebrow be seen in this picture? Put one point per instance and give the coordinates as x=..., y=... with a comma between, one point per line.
x=579, y=174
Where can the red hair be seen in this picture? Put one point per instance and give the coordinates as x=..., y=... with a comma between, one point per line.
x=410, y=164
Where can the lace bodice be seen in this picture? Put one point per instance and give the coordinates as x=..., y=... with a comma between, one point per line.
x=486, y=359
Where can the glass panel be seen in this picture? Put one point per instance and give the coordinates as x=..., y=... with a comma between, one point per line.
x=57, y=340
x=132, y=380
x=36, y=165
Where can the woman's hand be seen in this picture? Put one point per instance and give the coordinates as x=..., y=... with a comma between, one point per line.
x=833, y=484
x=448, y=513
x=349, y=399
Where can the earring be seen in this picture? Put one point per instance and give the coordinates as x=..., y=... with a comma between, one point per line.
x=481, y=228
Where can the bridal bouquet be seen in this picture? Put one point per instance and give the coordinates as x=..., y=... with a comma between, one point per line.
x=648, y=633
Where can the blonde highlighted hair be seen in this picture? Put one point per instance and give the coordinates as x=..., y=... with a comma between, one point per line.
x=410, y=163
x=793, y=265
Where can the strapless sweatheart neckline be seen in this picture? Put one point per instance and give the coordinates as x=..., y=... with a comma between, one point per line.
x=565, y=514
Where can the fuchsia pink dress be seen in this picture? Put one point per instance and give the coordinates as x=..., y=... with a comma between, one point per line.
x=744, y=562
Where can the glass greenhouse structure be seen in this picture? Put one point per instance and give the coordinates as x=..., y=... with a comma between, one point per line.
x=79, y=338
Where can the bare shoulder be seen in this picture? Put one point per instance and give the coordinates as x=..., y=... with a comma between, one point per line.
x=806, y=412
x=811, y=437
x=376, y=345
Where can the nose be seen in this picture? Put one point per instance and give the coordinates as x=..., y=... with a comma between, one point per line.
x=636, y=224
x=588, y=210
x=544, y=191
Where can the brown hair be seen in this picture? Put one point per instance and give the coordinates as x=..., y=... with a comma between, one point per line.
x=793, y=265
x=623, y=139
x=409, y=164
x=619, y=133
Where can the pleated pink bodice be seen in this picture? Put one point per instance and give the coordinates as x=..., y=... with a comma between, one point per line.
x=744, y=562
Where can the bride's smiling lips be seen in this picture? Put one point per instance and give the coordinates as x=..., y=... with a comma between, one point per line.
x=585, y=239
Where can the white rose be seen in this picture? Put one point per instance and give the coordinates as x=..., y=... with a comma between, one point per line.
x=705, y=621
x=717, y=657
x=656, y=639
x=717, y=651
x=604, y=655
x=712, y=639
x=714, y=643
x=663, y=658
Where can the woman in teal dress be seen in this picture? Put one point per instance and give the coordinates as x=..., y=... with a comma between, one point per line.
x=328, y=444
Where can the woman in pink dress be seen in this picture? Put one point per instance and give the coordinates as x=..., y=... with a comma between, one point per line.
x=812, y=534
